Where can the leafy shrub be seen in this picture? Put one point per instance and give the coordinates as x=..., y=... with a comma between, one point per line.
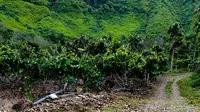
x=103, y=6
x=9, y=61
x=91, y=60
x=66, y=6
x=196, y=75
x=38, y=2
x=195, y=79
x=10, y=72
x=59, y=67
x=5, y=32
x=95, y=48
x=90, y=72
x=116, y=62
x=156, y=60
x=123, y=65
x=196, y=83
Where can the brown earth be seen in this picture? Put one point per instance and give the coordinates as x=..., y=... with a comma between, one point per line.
x=104, y=102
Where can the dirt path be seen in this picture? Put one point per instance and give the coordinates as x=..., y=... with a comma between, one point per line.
x=159, y=103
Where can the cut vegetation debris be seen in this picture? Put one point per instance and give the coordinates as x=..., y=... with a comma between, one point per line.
x=86, y=102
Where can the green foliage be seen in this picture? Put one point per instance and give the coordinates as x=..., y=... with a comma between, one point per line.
x=196, y=83
x=195, y=79
x=57, y=67
x=123, y=61
x=66, y=6
x=69, y=80
x=156, y=60
x=168, y=89
x=186, y=90
x=61, y=57
x=111, y=6
x=38, y=2
x=95, y=18
x=175, y=30
x=9, y=61
x=91, y=60
x=5, y=32
x=56, y=55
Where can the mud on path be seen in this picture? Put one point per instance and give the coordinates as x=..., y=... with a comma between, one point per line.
x=159, y=103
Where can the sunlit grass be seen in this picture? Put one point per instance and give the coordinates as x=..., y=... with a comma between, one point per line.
x=177, y=72
x=26, y=16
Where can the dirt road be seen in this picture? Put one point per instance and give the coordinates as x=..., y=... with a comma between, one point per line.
x=159, y=103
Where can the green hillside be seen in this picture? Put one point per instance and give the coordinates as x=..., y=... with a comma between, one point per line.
x=105, y=47
x=74, y=18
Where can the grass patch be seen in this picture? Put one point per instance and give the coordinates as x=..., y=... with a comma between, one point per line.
x=191, y=94
x=168, y=89
x=119, y=106
x=172, y=73
x=176, y=73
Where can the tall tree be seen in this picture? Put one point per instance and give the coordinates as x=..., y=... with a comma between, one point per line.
x=196, y=28
x=148, y=13
x=175, y=31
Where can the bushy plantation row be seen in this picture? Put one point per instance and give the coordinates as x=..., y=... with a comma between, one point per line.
x=92, y=60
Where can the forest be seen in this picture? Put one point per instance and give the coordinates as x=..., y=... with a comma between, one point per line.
x=99, y=55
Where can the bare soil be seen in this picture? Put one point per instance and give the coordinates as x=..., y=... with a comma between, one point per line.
x=8, y=98
x=104, y=102
x=159, y=103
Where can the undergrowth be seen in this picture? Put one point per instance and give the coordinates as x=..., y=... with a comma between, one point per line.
x=191, y=94
x=168, y=89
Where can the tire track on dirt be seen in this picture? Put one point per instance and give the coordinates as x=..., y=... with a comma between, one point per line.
x=159, y=103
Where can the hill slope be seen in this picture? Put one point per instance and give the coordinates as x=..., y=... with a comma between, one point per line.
x=73, y=18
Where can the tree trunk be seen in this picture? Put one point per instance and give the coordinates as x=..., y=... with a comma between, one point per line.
x=195, y=47
x=172, y=59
